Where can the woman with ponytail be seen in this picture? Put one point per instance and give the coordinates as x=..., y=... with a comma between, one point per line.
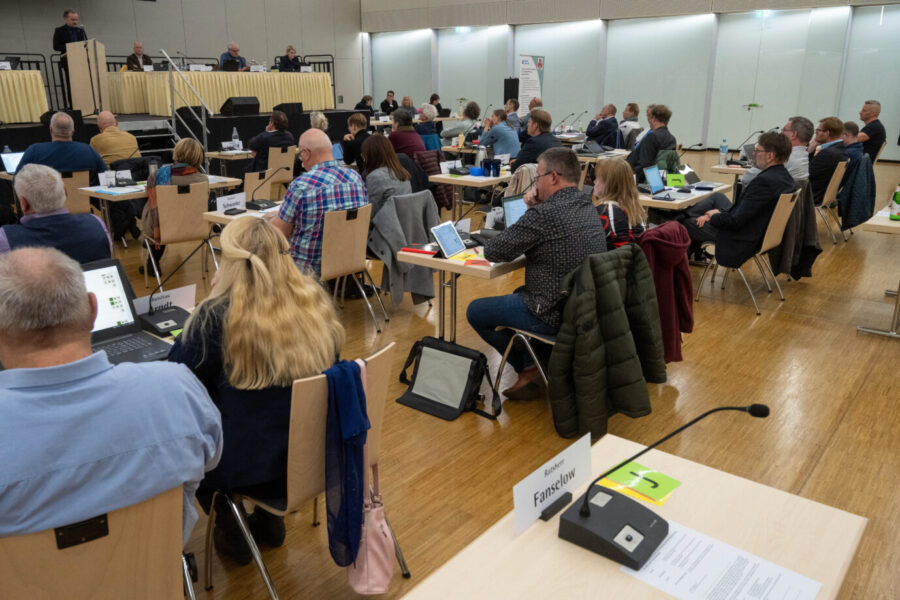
x=264, y=325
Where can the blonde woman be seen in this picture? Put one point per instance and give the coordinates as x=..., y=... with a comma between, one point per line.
x=289, y=63
x=616, y=199
x=318, y=120
x=264, y=325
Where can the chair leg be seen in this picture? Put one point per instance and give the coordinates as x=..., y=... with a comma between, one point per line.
x=725, y=277
x=509, y=346
x=533, y=356
x=188, y=583
x=702, y=277
x=212, y=253
x=404, y=570
x=749, y=289
x=210, y=523
x=827, y=224
x=343, y=289
x=761, y=272
x=362, y=291
x=144, y=262
x=377, y=295
x=153, y=263
x=772, y=273
x=315, y=522
x=254, y=549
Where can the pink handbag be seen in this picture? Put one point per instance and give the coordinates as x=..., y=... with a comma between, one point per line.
x=374, y=567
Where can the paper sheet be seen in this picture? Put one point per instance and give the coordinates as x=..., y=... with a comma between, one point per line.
x=692, y=566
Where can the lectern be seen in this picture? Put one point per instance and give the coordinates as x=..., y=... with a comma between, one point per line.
x=87, y=76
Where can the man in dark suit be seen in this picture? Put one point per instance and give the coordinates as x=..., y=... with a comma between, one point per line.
x=658, y=138
x=65, y=34
x=738, y=229
x=604, y=127
x=389, y=105
x=539, y=123
x=825, y=152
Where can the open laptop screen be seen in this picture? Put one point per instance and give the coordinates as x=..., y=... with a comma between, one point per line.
x=513, y=208
x=114, y=309
x=11, y=161
x=654, y=179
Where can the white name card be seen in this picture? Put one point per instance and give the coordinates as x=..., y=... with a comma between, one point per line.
x=306, y=69
x=123, y=175
x=257, y=69
x=384, y=119
x=564, y=472
x=5, y=65
x=446, y=165
x=148, y=68
x=238, y=200
x=185, y=297
x=504, y=158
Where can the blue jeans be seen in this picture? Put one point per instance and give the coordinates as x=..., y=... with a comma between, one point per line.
x=485, y=314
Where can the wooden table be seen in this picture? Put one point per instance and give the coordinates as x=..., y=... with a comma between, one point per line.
x=6, y=176
x=220, y=218
x=458, y=150
x=649, y=202
x=569, y=139
x=448, y=271
x=738, y=172
x=801, y=535
x=882, y=223
x=587, y=158
x=226, y=155
x=463, y=181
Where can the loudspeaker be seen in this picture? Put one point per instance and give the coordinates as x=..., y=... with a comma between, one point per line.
x=510, y=88
x=290, y=108
x=240, y=105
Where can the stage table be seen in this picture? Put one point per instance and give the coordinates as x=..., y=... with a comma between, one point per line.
x=23, y=98
x=146, y=92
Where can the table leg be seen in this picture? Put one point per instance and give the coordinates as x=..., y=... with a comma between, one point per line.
x=222, y=169
x=892, y=333
x=104, y=214
x=441, y=275
x=453, y=277
x=458, y=196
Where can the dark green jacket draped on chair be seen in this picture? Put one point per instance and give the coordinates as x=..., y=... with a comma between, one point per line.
x=609, y=345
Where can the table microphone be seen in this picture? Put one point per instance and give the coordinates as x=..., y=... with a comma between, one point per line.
x=168, y=318
x=584, y=112
x=619, y=527
x=683, y=150
x=255, y=204
x=558, y=125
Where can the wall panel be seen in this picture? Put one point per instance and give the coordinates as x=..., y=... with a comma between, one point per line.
x=402, y=62
x=472, y=65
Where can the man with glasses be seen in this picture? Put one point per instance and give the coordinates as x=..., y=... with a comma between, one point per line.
x=738, y=229
x=825, y=152
x=799, y=131
x=233, y=56
x=558, y=231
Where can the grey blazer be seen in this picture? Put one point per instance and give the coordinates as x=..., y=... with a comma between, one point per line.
x=380, y=186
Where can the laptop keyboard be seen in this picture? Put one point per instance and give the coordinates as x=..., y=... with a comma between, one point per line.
x=124, y=346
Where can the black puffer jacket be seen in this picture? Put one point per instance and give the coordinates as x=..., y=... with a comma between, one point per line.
x=609, y=345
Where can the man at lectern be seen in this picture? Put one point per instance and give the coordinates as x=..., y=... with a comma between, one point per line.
x=71, y=31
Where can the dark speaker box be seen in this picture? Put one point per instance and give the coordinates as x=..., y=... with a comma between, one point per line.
x=240, y=105
x=290, y=108
x=511, y=88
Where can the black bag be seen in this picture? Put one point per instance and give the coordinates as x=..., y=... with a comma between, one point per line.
x=446, y=380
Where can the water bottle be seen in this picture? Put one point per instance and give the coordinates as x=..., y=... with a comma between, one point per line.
x=235, y=138
x=895, y=205
x=6, y=149
x=723, y=153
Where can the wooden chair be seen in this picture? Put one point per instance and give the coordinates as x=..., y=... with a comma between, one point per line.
x=181, y=209
x=771, y=240
x=306, y=454
x=345, y=235
x=526, y=337
x=257, y=188
x=829, y=201
x=136, y=559
x=878, y=154
x=76, y=202
x=281, y=158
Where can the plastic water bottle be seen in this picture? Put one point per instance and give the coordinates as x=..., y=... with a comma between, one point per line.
x=235, y=138
x=6, y=149
x=723, y=153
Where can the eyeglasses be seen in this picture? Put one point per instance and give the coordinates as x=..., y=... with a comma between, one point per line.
x=539, y=175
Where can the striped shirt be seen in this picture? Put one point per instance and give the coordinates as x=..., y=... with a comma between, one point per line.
x=327, y=186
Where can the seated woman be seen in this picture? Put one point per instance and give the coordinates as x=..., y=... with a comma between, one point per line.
x=616, y=199
x=276, y=135
x=184, y=170
x=407, y=103
x=351, y=145
x=426, y=125
x=289, y=63
x=469, y=118
x=318, y=120
x=264, y=325
x=435, y=101
x=385, y=176
x=500, y=135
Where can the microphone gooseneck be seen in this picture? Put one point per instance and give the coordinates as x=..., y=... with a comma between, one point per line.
x=275, y=172
x=755, y=410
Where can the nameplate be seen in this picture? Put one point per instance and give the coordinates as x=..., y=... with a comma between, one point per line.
x=185, y=297
x=384, y=119
x=199, y=68
x=257, y=69
x=504, y=158
x=446, y=165
x=306, y=69
x=566, y=471
x=148, y=68
x=238, y=200
x=124, y=175
x=5, y=65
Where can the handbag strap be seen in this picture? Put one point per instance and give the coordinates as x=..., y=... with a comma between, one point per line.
x=496, y=406
x=413, y=353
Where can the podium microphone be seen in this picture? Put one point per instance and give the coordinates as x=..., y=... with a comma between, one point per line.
x=618, y=527
x=255, y=204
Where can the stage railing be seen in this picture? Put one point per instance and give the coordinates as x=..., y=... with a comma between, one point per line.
x=31, y=61
x=204, y=109
x=323, y=63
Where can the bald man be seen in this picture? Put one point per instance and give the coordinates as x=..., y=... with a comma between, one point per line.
x=327, y=185
x=111, y=143
x=873, y=134
x=233, y=54
x=63, y=154
x=138, y=60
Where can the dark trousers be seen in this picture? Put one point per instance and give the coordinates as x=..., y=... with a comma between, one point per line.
x=486, y=314
x=707, y=233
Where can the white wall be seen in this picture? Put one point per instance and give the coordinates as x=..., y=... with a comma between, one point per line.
x=202, y=28
x=473, y=64
x=402, y=62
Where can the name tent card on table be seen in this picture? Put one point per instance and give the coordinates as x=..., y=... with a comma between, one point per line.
x=185, y=297
x=564, y=472
x=238, y=200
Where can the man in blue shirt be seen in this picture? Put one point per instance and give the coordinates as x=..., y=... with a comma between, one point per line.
x=604, y=128
x=499, y=134
x=79, y=436
x=233, y=54
x=61, y=153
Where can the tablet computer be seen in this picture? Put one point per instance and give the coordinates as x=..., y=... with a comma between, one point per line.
x=448, y=239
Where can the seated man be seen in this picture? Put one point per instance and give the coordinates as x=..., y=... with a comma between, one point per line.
x=658, y=138
x=603, y=128
x=61, y=153
x=799, y=131
x=872, y=135
x=47, y=222
x=79, y=436
x=276, y=135
x=523, y=122
x=327, y=185
x=233, y=55
x=559, y=230
x=389, y=105
x=512, y=114
x=738, y=229
x=500, y=135
x=111, y=143
x=540, y=138
x=852, y=146
x=629, y=120
x=825, y=152
x=358, y=126
x=138, y=60
x=403, y=136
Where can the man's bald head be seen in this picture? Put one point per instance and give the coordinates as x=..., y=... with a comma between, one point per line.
x=62, y=127
x=314, y=148
x=535, y=103
x=106, y=119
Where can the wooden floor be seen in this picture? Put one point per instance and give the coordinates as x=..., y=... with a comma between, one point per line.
x=833, y=435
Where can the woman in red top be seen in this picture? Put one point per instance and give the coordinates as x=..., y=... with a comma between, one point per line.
x=616, y=199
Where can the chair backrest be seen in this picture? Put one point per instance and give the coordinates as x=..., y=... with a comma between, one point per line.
x=878, y=154
x=632, y=137
x=256, y=187
x=831, y=192
x=140, y=558
x=779, y=220
x=181, y=209
x=279, y=158
x=344, y=237
x=432, y=141
x=76, y=202
x=585, y=165
x=309, y=411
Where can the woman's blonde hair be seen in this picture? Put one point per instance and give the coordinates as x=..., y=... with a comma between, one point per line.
x=620, y=188
x=279, y=324
x=189, y=151
x=289, y=48
x=318, y=120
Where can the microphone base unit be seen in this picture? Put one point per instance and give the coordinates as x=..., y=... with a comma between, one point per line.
x=163, y=322
x=260, y=204
x=618, y=527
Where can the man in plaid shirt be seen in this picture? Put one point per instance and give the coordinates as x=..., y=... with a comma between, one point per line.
x=327, y=185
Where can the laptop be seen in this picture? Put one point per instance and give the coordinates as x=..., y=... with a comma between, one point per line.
x=448, y=239
x=658, y=191
x=592, y=148
x=749, y=154
x=11, y=161
x=444, y=112
x=117, y=330
x=161, y=66
x=513, y=209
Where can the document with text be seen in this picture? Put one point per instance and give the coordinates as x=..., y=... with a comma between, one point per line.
x=692, y=566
